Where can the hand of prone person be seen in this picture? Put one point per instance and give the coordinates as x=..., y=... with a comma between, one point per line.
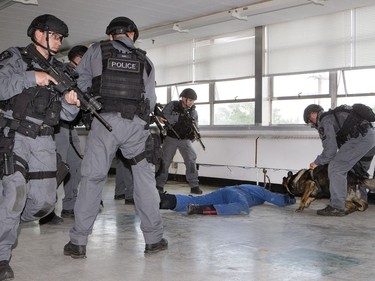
x=43, y=78
x=71, y=98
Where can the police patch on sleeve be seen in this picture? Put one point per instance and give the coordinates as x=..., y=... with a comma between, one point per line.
x=5, y=55
x=321, y=133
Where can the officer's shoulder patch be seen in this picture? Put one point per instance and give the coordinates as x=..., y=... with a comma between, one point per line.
x=321, y=131
x=5, y=55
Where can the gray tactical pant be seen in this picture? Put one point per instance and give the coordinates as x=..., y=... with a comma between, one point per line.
x=69, y=156
x=124, y=178
x=30, y=201
x=101, y=146
x=346, y=157
x=185, y=147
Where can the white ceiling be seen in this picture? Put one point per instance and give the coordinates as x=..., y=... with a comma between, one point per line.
x=87, y=19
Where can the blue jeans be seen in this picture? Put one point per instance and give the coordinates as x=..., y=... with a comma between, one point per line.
x=234, y=200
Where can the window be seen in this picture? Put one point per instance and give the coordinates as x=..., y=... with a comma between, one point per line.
x=292, y=93
x=162, y=95
x=291, y=111
x=202, y=91
x=234, y=102
x=301, y=85
x=234, y=90
x=359, y=81
x=241, y=113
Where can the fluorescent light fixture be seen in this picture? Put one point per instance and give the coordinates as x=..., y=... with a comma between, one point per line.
x=5, y=3
x=238, y=16
x=27, y=2
x=176, y=27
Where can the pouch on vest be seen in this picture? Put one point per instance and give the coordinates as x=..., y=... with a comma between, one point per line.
x=364, y=112
x=6, y=156
x=62, y=170
x=153, y=149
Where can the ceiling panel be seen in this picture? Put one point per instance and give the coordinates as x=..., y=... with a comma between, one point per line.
x=87, y=20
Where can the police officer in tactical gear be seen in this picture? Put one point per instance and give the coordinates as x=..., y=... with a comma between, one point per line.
x=68, y=145
x=177, y=114
x=124, y=78
x=76, y=53
x=348, y=142
x=29, y=108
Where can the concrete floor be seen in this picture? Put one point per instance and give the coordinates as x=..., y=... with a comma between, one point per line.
x=270, y=243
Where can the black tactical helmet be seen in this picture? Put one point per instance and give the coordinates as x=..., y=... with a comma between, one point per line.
x=189, y=94
x=122, y=25
x=77, y=51
x=48, y=23
x=309, y=109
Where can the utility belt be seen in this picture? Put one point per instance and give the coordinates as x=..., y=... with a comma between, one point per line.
x=127, y=108
x=152, y=153
x=66, y=124
x=26, y=127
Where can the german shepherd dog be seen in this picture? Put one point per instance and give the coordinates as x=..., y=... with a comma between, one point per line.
x=311, y=184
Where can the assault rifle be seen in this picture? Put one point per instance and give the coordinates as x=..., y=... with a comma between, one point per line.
x=162, y=130
x=194, y=127
x=158, y=112
x=66, y=83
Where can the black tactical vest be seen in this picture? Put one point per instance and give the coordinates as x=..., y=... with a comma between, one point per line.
x=42, y=103
x=121, y=84
x=183, y=126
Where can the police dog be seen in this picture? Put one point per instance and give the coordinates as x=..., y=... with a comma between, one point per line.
x=313, y=184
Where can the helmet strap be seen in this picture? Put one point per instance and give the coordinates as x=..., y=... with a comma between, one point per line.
x=50, y=52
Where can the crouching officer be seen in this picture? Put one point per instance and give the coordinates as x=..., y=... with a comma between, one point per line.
x=124, y=78
x=30, y=108
x=348, y=140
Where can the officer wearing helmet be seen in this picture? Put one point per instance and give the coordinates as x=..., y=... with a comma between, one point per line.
x=75, y=54
x=123, y=76
x=348, y=143
x=177, y=113
x=68, y=145
x=30, y=108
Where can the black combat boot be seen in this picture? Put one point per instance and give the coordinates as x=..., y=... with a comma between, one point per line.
x=196, y=190
x=75, y=251
x=52, y=219
x=6, y=272
x=201, y=210
x=167, y=201
x=156, y=247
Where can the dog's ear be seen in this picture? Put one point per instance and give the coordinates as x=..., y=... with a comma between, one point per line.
x=290, y=174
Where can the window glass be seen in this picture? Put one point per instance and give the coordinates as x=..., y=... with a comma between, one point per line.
x=356, y=81
x=202, y=91
x=235, y=89
x=301, y=84
x=368, y=100
x=239, y=113
x=291, y=111
x=203, y=114
x=161, y=95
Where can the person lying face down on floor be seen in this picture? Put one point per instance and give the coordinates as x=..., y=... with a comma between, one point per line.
x=229, y=200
